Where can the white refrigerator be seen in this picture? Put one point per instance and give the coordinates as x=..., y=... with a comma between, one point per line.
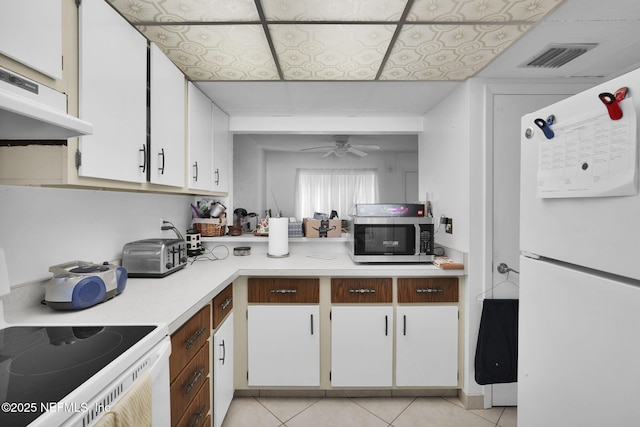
x=579, y=319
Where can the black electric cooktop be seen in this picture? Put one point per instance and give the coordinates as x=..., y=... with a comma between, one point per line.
x=41, y=365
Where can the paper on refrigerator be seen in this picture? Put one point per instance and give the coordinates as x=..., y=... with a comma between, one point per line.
x=590, y=155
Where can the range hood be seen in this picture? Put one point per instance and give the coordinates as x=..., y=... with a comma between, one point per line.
x=29, y=111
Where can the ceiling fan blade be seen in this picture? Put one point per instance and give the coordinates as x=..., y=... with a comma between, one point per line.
x=366, y=146
x=327, y=154
x=317, y=148
x=356, y=151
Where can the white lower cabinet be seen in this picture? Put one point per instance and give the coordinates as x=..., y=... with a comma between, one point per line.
x=361, y=346
x=283, y=345
x=223, y=386
x=427, y=346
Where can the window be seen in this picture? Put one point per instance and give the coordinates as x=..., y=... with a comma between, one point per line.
x=324, y=190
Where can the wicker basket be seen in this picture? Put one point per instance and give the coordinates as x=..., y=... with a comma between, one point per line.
x=213, y=227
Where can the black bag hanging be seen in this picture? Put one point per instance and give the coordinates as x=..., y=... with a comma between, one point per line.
x=496, y=358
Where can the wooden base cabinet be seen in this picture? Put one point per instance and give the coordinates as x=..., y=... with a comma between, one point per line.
x=189, y=365
x=427, y=332
x=361, y=332
x=283, y=331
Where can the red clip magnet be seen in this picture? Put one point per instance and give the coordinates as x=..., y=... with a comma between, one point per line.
x=611, y=102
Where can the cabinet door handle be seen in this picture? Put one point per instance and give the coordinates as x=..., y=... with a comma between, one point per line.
x=143, y=150
x=386, y=326
x=283, y=291
x=194, y=381
x=429, y=290
x=161, y=168
x=312, y=324
x=191, y=341
x=217, y=178
x=404, y=324
x=362, y=291
x=224, y=352
x=195, y=172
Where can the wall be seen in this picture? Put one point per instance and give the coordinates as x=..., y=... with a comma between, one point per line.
x=41, y=227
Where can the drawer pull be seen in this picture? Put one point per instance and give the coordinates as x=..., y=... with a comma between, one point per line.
x=362, y=291
x=284, y=291
x=198, y=416
x=194, y=381
x=226, y=303
x=386, y=326
x=191, y=341
x=429, y=290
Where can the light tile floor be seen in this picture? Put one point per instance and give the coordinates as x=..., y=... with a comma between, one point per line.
x=363, y=412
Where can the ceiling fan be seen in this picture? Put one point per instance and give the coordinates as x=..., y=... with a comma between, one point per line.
x=342, y=147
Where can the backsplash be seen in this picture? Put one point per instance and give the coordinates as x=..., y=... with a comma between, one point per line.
x=41, y=227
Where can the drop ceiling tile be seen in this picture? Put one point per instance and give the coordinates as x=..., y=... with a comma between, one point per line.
x=187, y=10
x=481, y=10
x=216, y=52
x=330, y=51
x=447, y=52
x=333, y=10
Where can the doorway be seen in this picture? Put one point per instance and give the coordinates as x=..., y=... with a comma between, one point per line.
x=508, y=110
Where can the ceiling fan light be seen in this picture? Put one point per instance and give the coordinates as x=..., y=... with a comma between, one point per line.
x=339, y=152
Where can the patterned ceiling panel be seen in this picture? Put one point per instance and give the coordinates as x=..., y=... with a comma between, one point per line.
x=249, y=40
x=480, y=10
x=331, y=52
x=216, y=52
x=187, y=10
x=447, y=52
x=333, y=10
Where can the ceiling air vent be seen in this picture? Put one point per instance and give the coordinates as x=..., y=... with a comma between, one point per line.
x=556, y=55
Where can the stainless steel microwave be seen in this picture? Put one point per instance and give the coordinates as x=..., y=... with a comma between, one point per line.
x=391, y=239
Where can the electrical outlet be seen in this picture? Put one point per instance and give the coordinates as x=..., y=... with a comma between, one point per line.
x=449, y=226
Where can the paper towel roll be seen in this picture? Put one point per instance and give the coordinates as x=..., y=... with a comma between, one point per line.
x=278, y=237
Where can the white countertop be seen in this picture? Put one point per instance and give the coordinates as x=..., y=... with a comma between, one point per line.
x=174, y=299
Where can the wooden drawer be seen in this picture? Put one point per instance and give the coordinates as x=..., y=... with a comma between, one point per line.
x=187, y=340
x=435, y=289
x=222, y=305
x=186, y=385
x=196, y=415
x=361, y=290
x=284, y=291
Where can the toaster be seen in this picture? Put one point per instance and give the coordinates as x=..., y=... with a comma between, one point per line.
x=154, y=257
x=79, y=284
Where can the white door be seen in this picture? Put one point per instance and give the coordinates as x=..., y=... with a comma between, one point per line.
x=222, y=370
x=284, y=345
x=508, y=109
x=220, y=150
x=427, y=346
x=361, y=346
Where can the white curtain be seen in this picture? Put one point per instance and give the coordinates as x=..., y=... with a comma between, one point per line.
x=324, y=190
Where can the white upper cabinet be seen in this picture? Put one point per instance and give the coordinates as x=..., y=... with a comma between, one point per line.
x=167, y=153
x=220, y=150
x=200, y=173
x=113, y=95
x=31, y=33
